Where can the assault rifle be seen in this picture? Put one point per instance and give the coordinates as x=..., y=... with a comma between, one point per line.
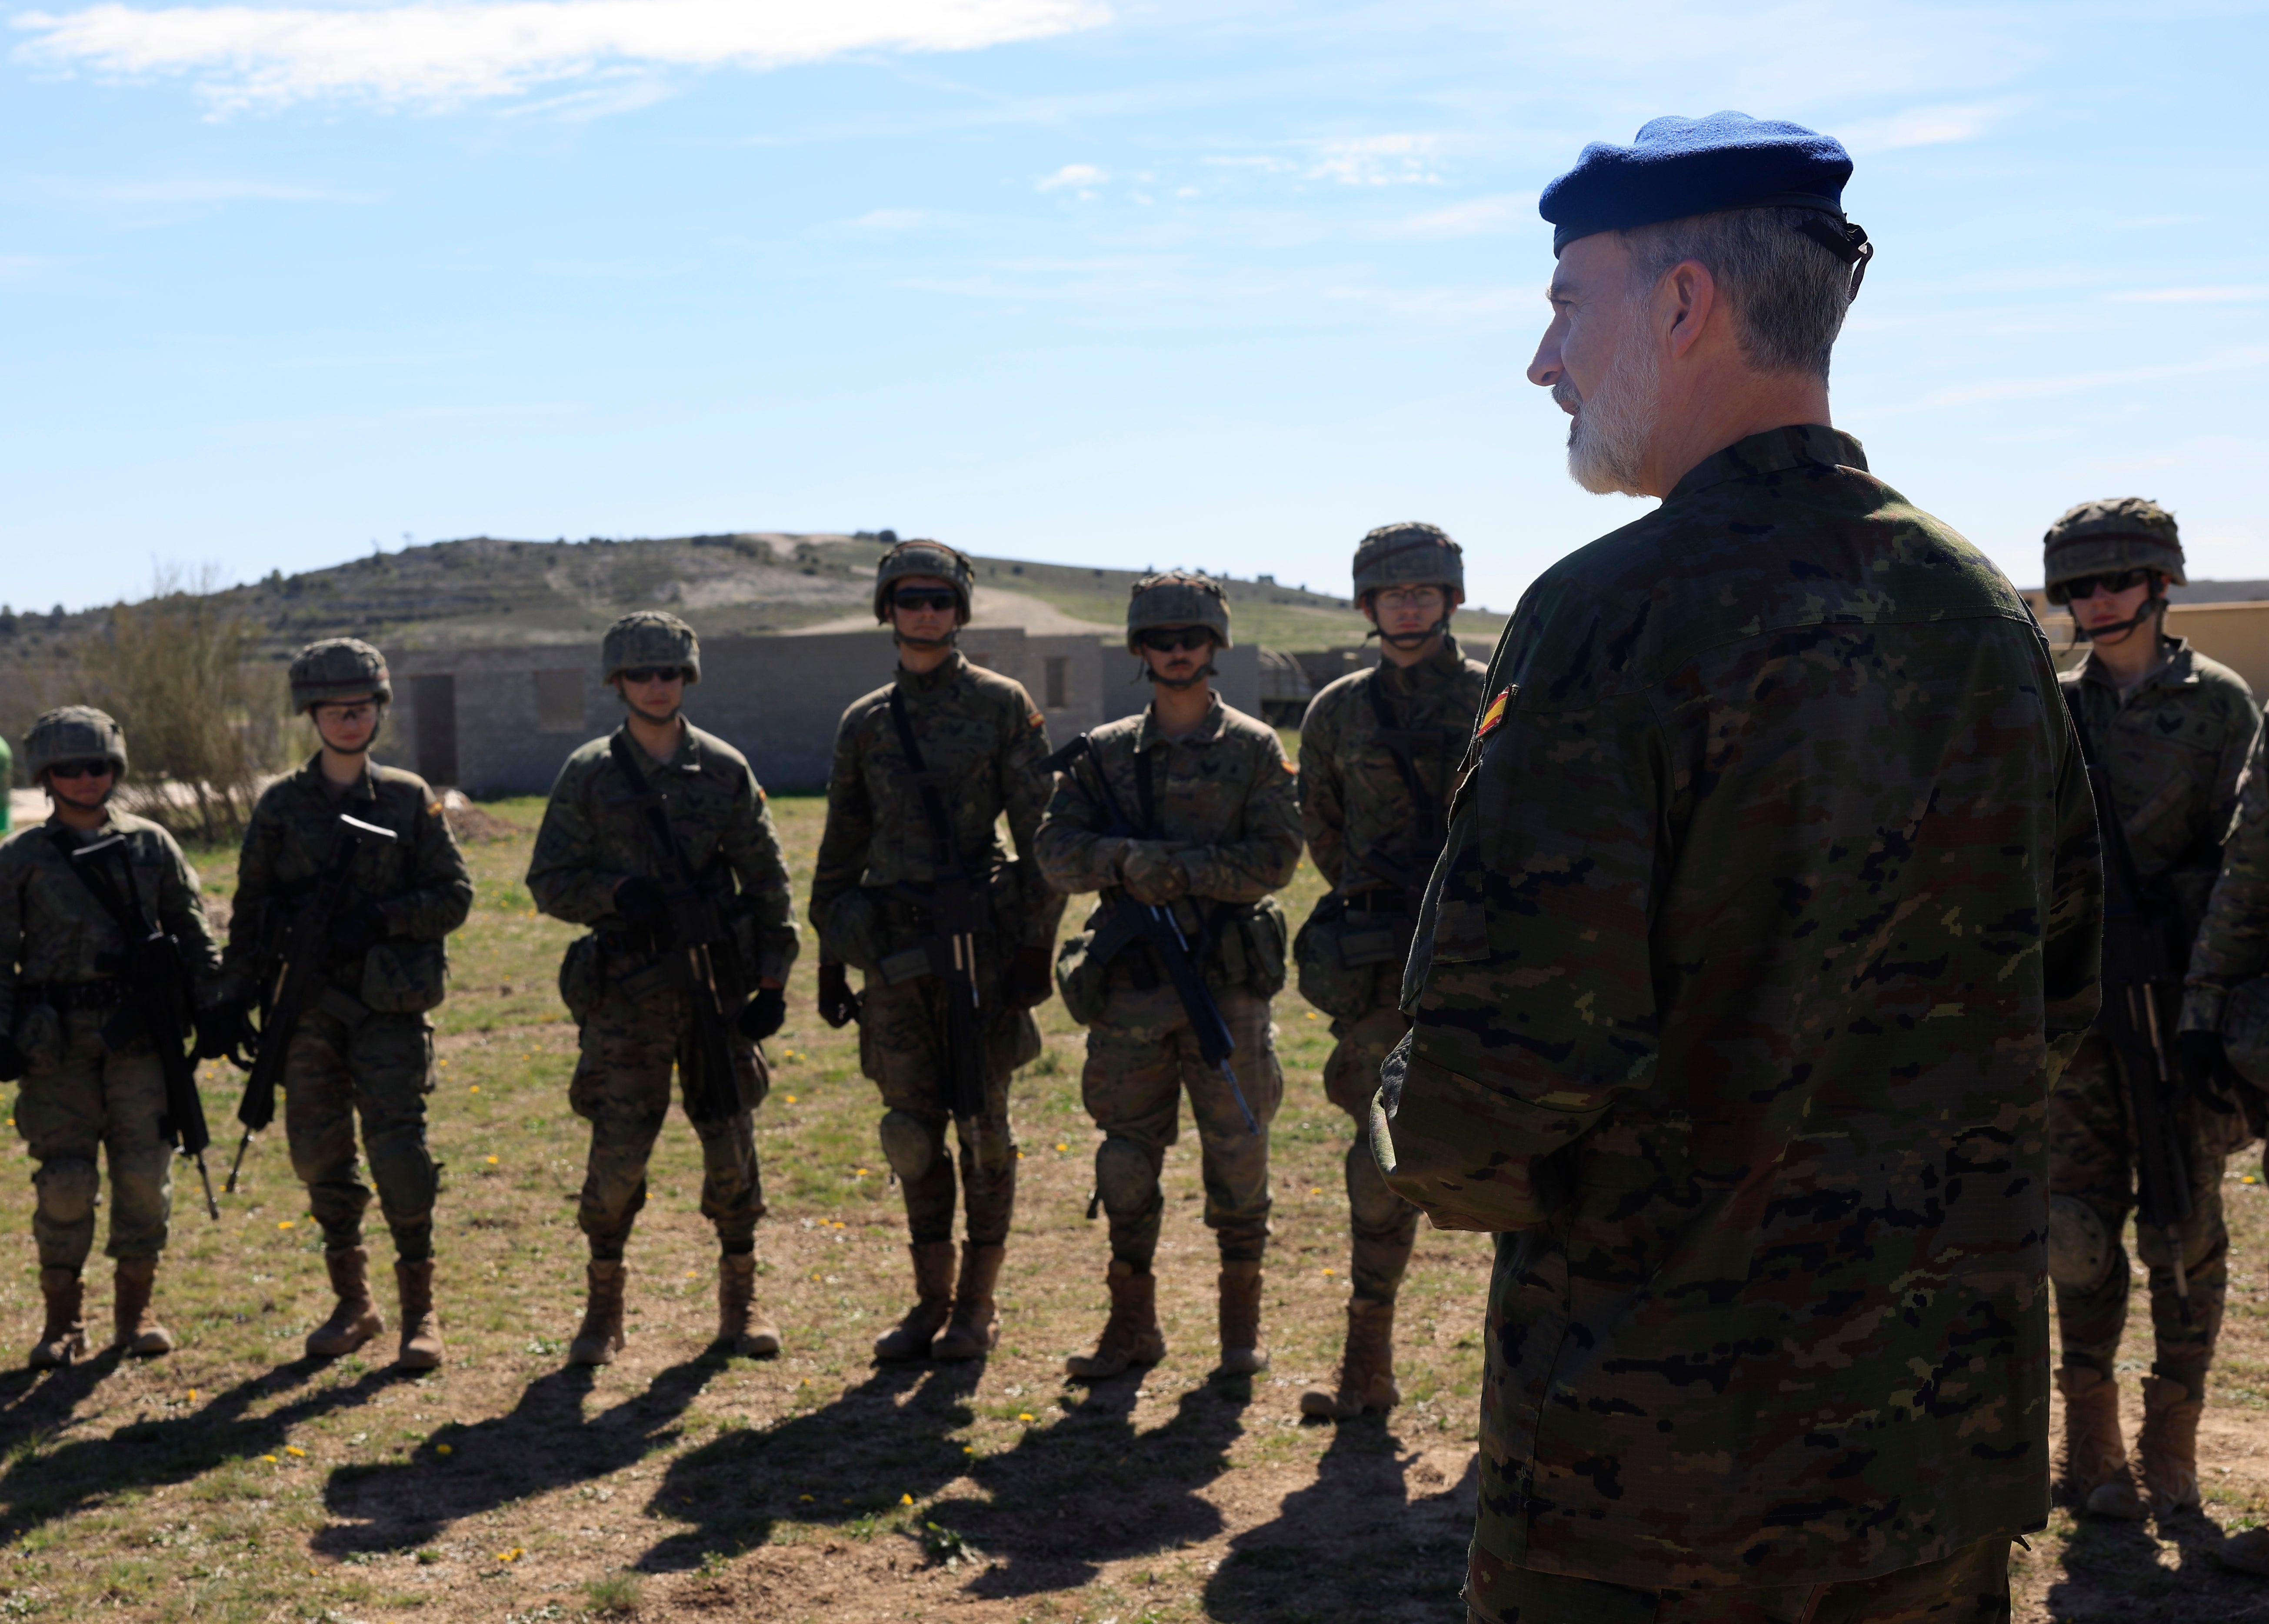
x=958, y=911
x=158, y=1000
x=300, y=980
x=1132, y=921
x=2142, y=979
x=689, y=946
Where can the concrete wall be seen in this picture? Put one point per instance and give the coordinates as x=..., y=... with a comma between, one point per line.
x=515, y=713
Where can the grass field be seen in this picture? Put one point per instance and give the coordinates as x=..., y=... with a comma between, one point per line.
x=236, y=1480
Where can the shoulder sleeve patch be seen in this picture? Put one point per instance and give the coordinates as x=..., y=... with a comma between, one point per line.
x=432, y=809
x=1036, y=720
x=1494, y=715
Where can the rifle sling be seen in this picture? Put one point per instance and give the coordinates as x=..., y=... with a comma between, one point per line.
x=1393, y=736
x=133, y=924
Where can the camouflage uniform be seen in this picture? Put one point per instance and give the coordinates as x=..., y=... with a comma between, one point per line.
x=2232, y=947
x=1767, y=916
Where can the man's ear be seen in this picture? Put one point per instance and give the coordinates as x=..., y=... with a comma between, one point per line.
x=1687, y=299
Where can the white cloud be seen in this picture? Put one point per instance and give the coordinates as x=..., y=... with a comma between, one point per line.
x=1073, y=174
x=2251, y=294
x=1476, y=217
x=248, y=56
x=1377, y=160
x=1938, y=126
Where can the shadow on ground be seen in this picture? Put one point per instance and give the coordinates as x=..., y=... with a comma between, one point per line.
x=2118, y=1573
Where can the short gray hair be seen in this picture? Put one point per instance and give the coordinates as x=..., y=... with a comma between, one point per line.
x=1789, y=291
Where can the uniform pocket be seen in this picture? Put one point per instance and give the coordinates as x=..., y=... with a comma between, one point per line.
x=1080, y=976
x=404, y=978
x=580, y=971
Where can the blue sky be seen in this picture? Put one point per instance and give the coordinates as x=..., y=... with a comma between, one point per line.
x=1220, y=284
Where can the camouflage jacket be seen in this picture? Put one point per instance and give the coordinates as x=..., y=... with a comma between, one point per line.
x=1355, y=804
x=1225, y=796
x=593, y=838
x=419, y=878
x=2173, y=753
x=53, y=929
x=1770, y=913
x=985, y=740
x=2233, y=942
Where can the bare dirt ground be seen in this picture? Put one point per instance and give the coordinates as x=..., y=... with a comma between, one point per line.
x=237, y=1481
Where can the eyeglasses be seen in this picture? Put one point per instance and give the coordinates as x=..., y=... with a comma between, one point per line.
x=1166, y=640
x=1406, y=597
x=924, y=598
x=2089, y=586
x=80, y=770
x=360, y=710
x=643, y=675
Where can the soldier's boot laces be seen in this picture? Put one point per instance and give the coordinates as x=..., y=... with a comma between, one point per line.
x=2095, y=1459
x=912, y=1336
x=743, y=1328
x=1241, y=1353
x=599, y=1337
x=63, y=1339
x=975, y=1328
x=354, y=1320
x=1365, y=1378
x=421, y=1325
x=1131, y=1335
x=2169, y=1446
x=138, y=1335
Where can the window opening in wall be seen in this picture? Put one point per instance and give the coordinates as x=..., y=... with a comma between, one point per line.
x=1058, y=682
x=434, y=707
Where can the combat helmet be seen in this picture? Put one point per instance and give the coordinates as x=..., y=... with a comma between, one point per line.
x=338, y=669
x=923, y=557
x=75, y=733
x=1409, y=555
x=649, y=637
x=2105, y=537
x=1176, y=598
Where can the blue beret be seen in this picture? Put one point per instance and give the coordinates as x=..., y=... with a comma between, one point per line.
x=1680, y=167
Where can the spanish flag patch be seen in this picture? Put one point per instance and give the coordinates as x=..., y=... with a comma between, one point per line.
x=1494, y=714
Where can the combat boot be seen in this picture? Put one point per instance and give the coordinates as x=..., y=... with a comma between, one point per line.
x=1365, y=1378
x=2247, y=1551
x=1241, y=1353
x=139, y=1335
x=421, y=1326
x=2169, y=1446
x=1131, y=1335
x=911, y=1337
x=743, y=1328
x=599, y=1337
x=65, y=1337
x=2095, y=1459
x=354, y=1320
x=975, y=1330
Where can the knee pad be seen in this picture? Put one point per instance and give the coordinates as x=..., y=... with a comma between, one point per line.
x=909, y=1145
x=66, y=1187
x=1125, y=1177
x=2081, y=1250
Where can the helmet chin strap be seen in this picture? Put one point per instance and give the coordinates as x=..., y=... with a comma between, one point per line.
x=902, y=640
x=1180, y=683
x=1408, y=640
x=2151, y=605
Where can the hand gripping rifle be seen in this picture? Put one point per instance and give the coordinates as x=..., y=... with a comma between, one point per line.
x=2142, y=990
x=1133, y=921
x=299, y=981
x=958, y=912
x=158, y=1004
x=693, y=942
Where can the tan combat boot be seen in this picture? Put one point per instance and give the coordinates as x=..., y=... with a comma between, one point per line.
x=2095, y=1459
x=139, y=1335
x=1131, y=1335
x=1365, y=1378
x=743, y=1328
x=65, y=1337
x=975, y=1330
x=599, y=1338
x=911, y=1337
x=1241, y=1353
x=354, y=1320
x=421, y=1326
x=2169, y=1446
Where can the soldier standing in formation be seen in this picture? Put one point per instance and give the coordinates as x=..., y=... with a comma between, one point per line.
x=952, y=937
x=2172, y=730
x=367, y=1048
x=1769, y=913
x=1191, y=807
x=88, y=1087
x=1378, y=751
x=658, y=838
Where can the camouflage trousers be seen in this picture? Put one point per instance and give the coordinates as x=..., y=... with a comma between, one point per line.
x=90, y=1103
x=379, y=1069
x=621, y=1088
x=902, y=1049
x=2091, y=1137
x=1142, y=1057
x=1382, y=1225
x=1970, y=1587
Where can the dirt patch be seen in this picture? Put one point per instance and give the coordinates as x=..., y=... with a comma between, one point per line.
x=469, y=822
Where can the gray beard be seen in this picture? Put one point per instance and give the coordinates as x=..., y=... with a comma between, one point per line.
x=1609, y=433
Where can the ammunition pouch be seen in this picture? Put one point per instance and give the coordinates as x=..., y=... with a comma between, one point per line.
x=1083, y=977
x=2245, y=1040
x=1340, y=950
x=1244, y=945
x=852, y=930
x=1247, y=946
x=581, y=975
x=404, y=976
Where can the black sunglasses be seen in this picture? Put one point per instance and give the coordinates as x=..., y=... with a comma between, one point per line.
x=1166, y=640
x=653, y=674
x=80, y=770
x=924, y=598
x=2089, y=586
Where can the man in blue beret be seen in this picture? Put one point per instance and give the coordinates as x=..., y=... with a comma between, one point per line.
x=1766, y=917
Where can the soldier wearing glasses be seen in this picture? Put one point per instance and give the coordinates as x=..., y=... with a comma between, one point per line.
x=951, y=935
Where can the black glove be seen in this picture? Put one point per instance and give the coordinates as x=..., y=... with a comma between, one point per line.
x=12, y=1063
x=363, y=928
x=2204, y=1065
x=838, y=1005
x=1031, y=978
x=641, y=903
x=220, y=1031
x=762, y=1014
